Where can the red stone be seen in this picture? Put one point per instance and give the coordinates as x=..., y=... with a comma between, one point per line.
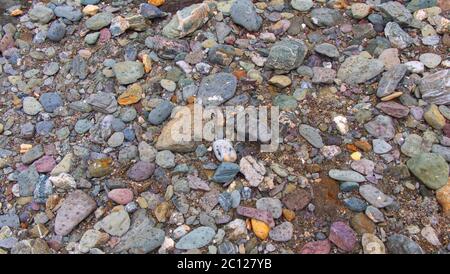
x=317, y=247
x=121, y=195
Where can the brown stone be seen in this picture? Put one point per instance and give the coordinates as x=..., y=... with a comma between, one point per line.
x=326, y=197
x=443, y=197
x=297, y=199
x=363, y=145
x=362, y=224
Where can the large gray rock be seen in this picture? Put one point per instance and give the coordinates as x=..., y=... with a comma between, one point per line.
x=396, y=12
x=286, y=55
x=243, y=13
x=128, y=72
x=430, y=168
x=435, y=87
x=188, y=20
x=400, y=244
x=359, y=69
x=390, y=80
x=217, y=89
x=325, y=17
x=397, y=36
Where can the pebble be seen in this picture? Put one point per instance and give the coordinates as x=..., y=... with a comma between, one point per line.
x=282, y=232
x=346, y=175
x=141, y=171
x=224, y=151
x=311, y=135
x=372, y=244
x=165, y=159
x=253, y=170
x=380, y=146
x=374, y=196
x=400, y=244
x=197, y=238
x=225, y=173
x=430, y=168
x=116, y=223
x=75, y=208
x=342, y=236
x=121, y=196
x=272, y=205
x=430, y=60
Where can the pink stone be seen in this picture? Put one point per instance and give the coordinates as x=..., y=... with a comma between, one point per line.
x=121, y=195
x=259, y=214
x=21, y=167
x=317, y=247
x=342, y=236
x=393, y=109
x=45, y=164
x=105, y=35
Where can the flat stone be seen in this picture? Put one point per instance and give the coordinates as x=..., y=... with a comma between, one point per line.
x=75, y=208
x=311, y=135
x=197, y=238
x=317, y=247
x=397, y=36
x=253, y=170
x=435, y=87
x=116, y=224
x=380, y=146
x=389, y=81
x=282, y=232
x=225, y=173
x=430, y=60
x=141, y=171
x=374, y=196
x=270, y=204
x=381, y=127
x=297, y=199
x=359, y=69
x=346, y=175
x=99, y=21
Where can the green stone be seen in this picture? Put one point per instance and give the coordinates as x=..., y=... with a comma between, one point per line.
x=430, y=168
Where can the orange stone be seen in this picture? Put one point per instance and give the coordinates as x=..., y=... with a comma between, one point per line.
x=16, y=12
x=392, y=96
x=363, y=145
x=131, y=96
x=443, y=197
x=147, y=63
x=261, y=229
x=352, y=147
x=239, y=74
x=156, y=3
x=288, y=214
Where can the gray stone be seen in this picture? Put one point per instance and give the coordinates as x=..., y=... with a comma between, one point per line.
x=442, y=150
x=217, y=89
x=27, y=180
x=286, y=55
x=68, y=12
x=396, y=11
x=302, y=5
x=56, y=31
x=50, y=101
x=325, y=17
x=381, y=127
x=128, y=72
x=359, y=69
x=390, y=80
x=10, y=220
x=346, y=175
x=435, y=87
x=397, y=36
x=226, y=172
x=31, y=106
x=116, y=223
x=311, y=135
x=41, y=14
x=75, y=208
x=243, y=13
x=103, y=102
x=374, y=196
x=197, y=238
x=282, y=232
x=327, y=50
x=272, y=205
x=160, y=113
x=99, y=21
x=380, y=146
x=400, y=244
x=165, y=159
